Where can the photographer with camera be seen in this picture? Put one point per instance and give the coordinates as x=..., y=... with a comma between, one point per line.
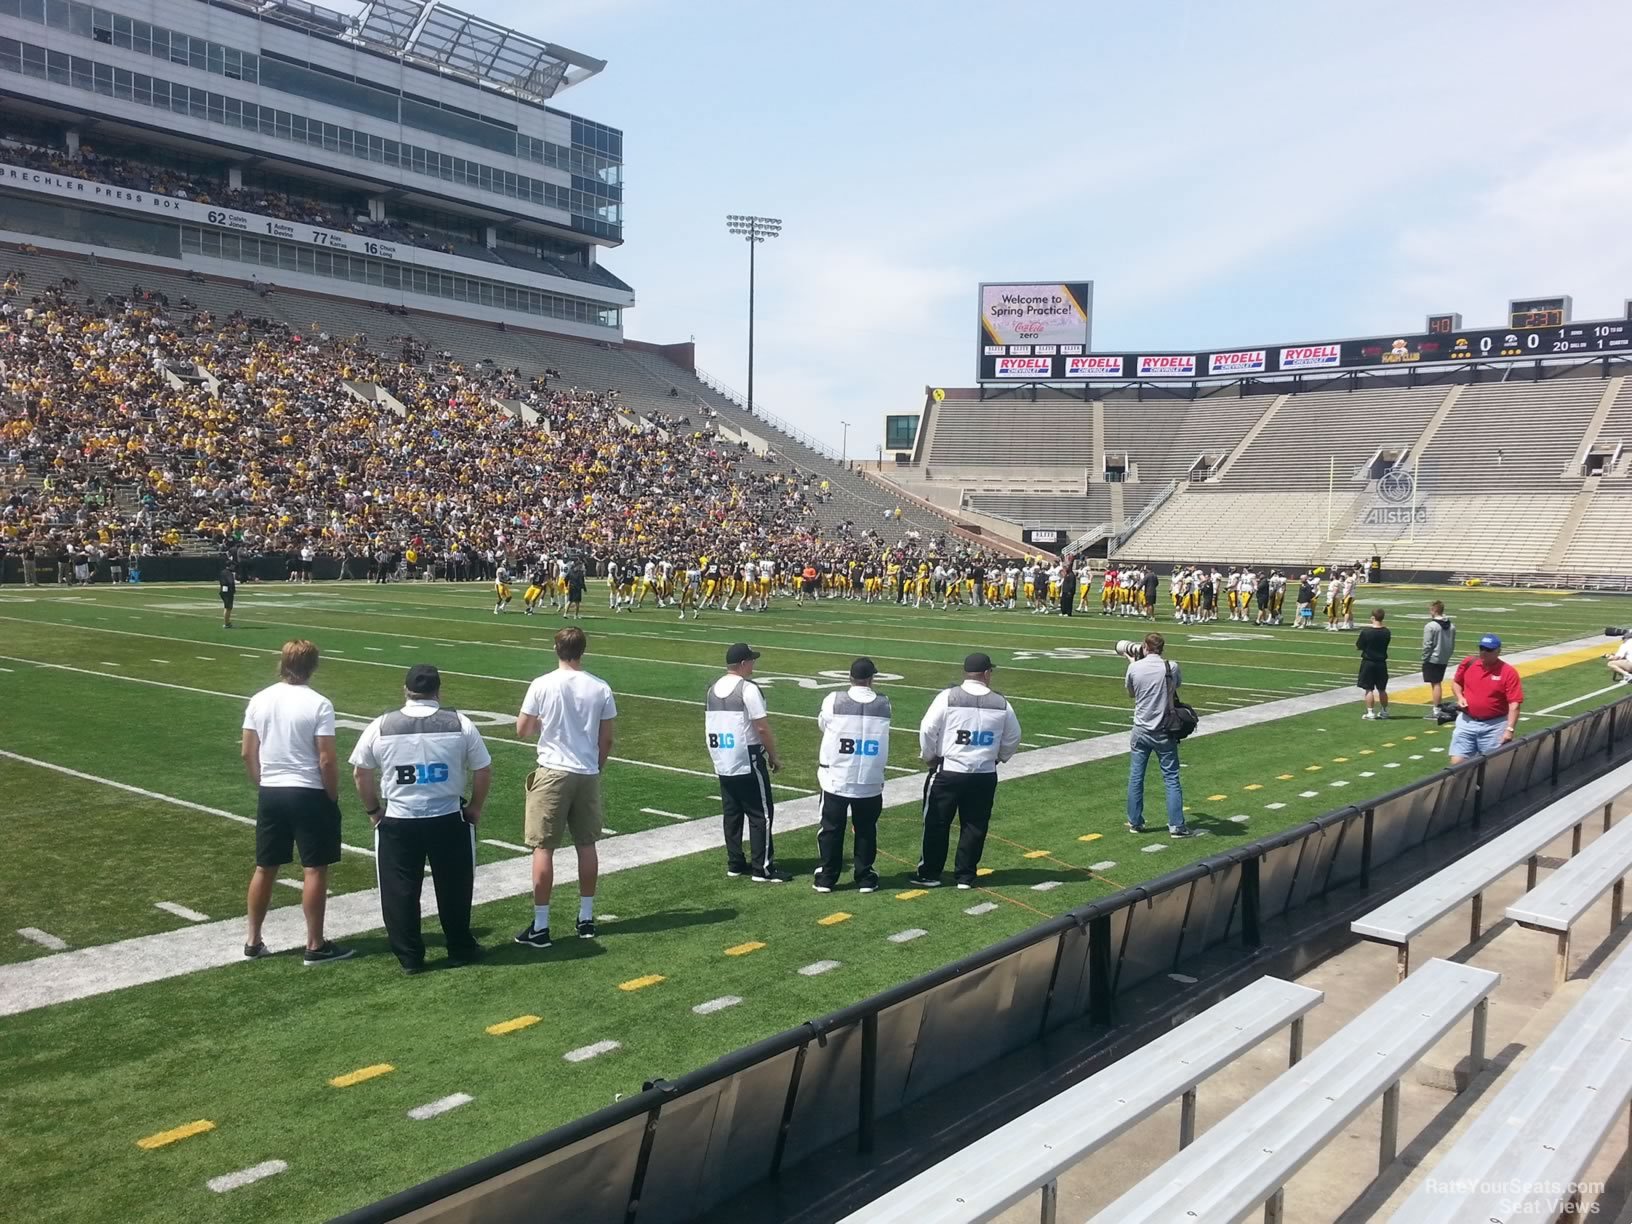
x=1159, y=722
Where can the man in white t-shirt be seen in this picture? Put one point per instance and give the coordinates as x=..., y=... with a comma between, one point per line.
x=570, y=712
x=1620, y=661
x=288, y=751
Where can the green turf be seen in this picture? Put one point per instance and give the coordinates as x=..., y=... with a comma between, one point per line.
x=251, y=1047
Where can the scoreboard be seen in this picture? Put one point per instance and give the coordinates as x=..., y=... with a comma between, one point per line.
x=1538, y=328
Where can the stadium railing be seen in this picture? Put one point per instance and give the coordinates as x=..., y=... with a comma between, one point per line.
x=681, y=1149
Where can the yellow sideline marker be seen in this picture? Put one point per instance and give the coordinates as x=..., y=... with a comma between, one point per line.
x=640, y=983
x=911, y=894
x=1216, y=798
x=1313, y=768
x=511, y=1026
x=163, y=1138
x=1283, y=777
x=834, y=919
x=742, y=949
x=1091, y=837
x=1035, y=854
x=1340, y=760
x=1252, y=786
x=361, y=1074
x=1367, y=752
x=984, y=871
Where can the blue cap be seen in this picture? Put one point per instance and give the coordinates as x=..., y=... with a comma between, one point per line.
x=1490, y=642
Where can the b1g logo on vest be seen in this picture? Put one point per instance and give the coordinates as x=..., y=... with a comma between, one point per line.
x=722, y=739
x=423, y=775
x=850, y=747
x=977, y=739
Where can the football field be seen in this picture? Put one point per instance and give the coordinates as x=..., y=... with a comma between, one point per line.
x=148, y=1073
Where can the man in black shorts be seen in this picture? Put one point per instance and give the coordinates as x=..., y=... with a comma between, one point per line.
x=1438, y=649
x=229, y=592
x=288, y=751
x=1372, y=643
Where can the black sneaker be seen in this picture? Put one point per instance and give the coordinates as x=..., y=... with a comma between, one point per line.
x=919, y=882
x=966, y=885
x=414, y=970
x=1133, y=828
x=330, y=951
x=469, y=956
x=867, y=884
x=821, y=886
x=532, y=937
x=256, y=951
x=1183, y=832
x=770, y=877
x=736, y=873
x=586, y=928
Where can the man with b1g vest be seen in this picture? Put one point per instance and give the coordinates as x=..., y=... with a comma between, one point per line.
x=410, y=767
x=855, y=726
x=740, y=742
x=967, y=732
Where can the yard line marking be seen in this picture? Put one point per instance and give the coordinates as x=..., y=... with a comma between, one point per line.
x=1368, y=773
x=243, y=1177
x=815, y=968
x=834, y=919
x=361, y=1075
x=1023, y=744
x=985, y=907
x=181, y=911
x=1339, y=782
x=908, y=935
x=1239, y=819
x=205, y=658
x=249, y=656
x=1584, y=697
x=640, y=983
x=719, y=1004
x=105, y=663
x=1156, y=848
x=422, y=1112
x=85, y=972
x=742, y=949
x=511, y=1026
x=1105, y=866
x=504, y=845
x=899, y=768
x=1391, y=764
x=1046, y=886
x=591, y=1051
x=1415, y=756
x=301, y=884
x=661, y=812
x=1273, y=807
x=146, y=794
x=44, y=938
x=912, y=894
x=175, y=1135
x=13, y=671
x=378, y=649
x=1046, y=735
x=1307, y=794
x=158, y=660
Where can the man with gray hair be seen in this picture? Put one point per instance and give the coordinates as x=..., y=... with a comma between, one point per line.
x=1153, y=683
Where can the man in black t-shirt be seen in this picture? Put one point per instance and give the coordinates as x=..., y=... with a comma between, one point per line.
x=1372, y=643
x=228, y=583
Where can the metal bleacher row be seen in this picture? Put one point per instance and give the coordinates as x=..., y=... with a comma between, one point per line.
x=1291, y=478
x=642, y=379
x=1516, y=1141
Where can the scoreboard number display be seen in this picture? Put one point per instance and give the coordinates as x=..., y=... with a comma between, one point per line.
x=1526, y=313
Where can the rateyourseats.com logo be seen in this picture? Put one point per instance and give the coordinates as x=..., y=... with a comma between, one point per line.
x=1517, y=1198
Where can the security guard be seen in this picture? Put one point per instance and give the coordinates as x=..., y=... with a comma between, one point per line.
x=967, y=731
x=424, y=754
x=855, y=727
x=738, y=730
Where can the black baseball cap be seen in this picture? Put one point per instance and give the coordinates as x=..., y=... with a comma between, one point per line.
x=423, y=680
x=739, y=653
x=977, y=663
x=863, y=669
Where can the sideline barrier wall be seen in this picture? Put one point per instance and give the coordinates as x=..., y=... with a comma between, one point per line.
x=679, y=1149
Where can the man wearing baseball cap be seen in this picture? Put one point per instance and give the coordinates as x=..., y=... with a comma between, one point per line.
x=1488, y=696
x=410, y=768
x=855, y=726
x=967, y=731
x=737, y=727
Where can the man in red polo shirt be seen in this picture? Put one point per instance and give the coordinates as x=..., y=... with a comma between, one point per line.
x=1488, y=696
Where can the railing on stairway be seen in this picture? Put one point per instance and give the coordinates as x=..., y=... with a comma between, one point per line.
x=1139, y=520
x=770, y=418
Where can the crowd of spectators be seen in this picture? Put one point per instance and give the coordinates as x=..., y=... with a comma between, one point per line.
x=132, y=427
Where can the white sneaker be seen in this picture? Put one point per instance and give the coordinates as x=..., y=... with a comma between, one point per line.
x=1368, y=716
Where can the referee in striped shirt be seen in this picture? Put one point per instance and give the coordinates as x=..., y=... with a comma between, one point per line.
x=410, y=767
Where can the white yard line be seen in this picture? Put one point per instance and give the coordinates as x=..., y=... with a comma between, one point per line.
x=584, y=1053
x=181, y=911
x=661, y=812
x=504, y=845
x=44, y=938
x=85, y=972
x=1575, y=700
x=422, y=1112
x=243, y=1177
x=148, y=794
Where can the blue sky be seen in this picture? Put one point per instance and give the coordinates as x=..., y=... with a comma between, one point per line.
x=1224, y=173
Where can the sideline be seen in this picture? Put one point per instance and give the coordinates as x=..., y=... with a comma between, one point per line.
x=86, y=972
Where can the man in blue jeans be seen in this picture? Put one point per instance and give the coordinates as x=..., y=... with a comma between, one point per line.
x=1153, y=684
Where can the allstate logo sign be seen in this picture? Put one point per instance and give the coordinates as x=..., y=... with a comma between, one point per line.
x=1399, y=502
x=1397, y=487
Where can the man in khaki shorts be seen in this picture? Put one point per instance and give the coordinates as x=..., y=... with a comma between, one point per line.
x=571, y=712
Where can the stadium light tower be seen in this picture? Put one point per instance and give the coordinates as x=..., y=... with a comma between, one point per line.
x=753, y=230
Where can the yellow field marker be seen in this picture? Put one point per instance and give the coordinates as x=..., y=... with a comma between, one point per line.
x=164, y=1138
x=1340, y=760
x=640, y=983
x=911, y=894
x=1313, y=768
x=1251, y=786
x=834, y=919
x=984, y=871
x=1091, y=837
x=511, y=1026
x=1390, y=744
x=1284, y=777
x=1035, y=854
x=360, y=1075
x=1216, y=798
x=1367, y=752
x=1409, y=737
x=742, y=949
